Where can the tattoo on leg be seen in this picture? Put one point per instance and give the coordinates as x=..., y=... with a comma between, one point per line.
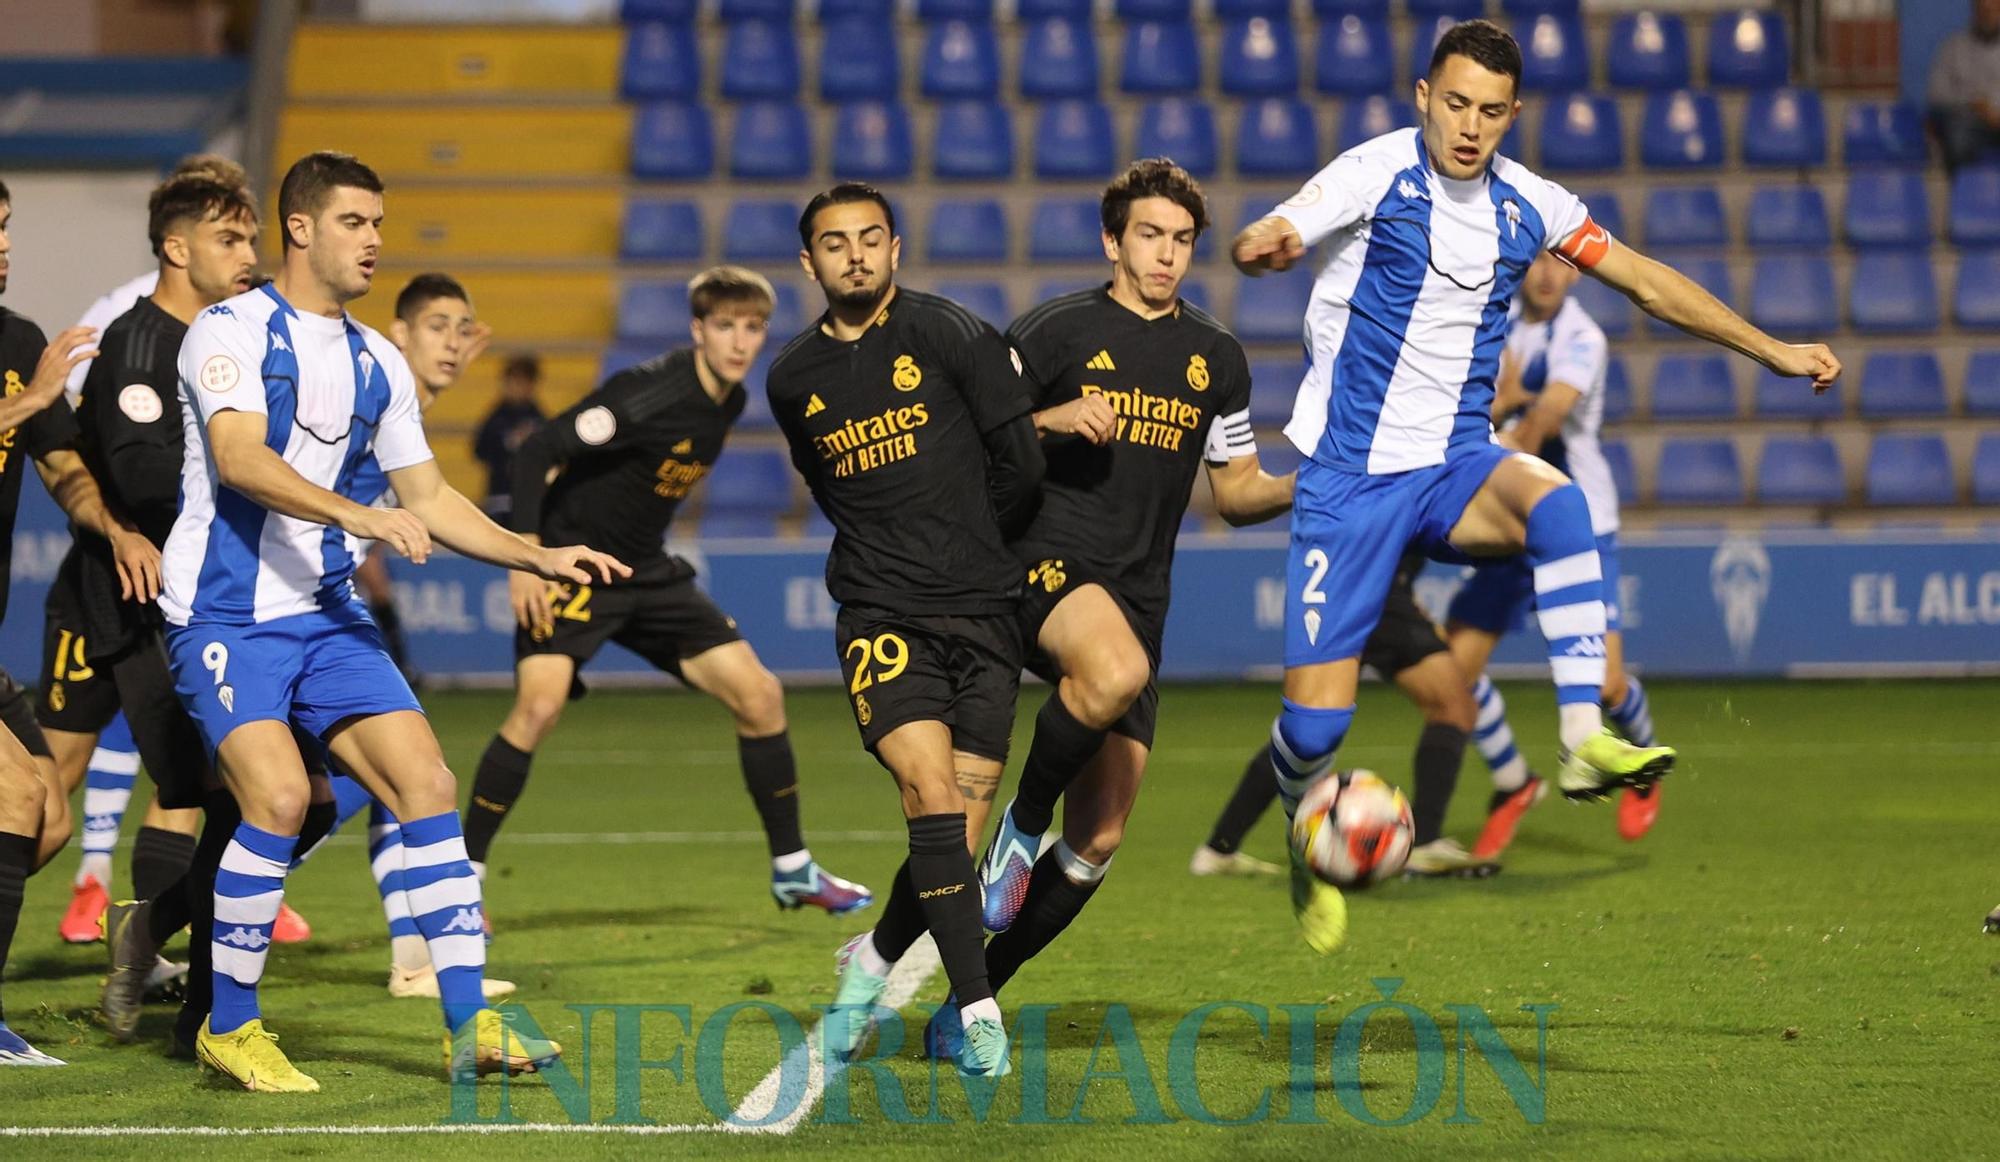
x=978, y=787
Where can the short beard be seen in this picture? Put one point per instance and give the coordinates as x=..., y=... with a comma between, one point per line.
x=856, y=299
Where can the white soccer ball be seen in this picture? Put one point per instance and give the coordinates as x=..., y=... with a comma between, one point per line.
x=1353, y=829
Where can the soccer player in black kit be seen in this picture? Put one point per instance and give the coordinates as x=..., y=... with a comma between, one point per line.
x=629, y=453
x=1098, y=557
x=908, y=417
x=34, y=815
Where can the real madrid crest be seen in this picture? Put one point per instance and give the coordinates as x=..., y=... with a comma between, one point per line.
x=906, y=375
x=1197, y=373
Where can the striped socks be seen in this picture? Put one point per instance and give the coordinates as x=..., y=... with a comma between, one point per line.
x=1495, y=738
x=248, y=889
x=444, y=904
x=1303, y=740
x=1633, y=716
x=385, y=860
x=1569, y=603
x=107, y=791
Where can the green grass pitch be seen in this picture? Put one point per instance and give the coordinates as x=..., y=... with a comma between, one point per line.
x=1790, y=966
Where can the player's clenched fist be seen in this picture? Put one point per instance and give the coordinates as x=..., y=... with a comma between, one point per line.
x=1088, y=416
x=1814, y=361
x=584, y=566
x=1267, y=244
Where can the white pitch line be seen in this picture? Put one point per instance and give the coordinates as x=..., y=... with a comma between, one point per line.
x=905, y=979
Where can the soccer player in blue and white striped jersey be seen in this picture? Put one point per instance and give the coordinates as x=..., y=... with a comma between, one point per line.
x=1425, y=237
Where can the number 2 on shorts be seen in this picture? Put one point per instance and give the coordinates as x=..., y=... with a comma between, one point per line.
x=1315, y=559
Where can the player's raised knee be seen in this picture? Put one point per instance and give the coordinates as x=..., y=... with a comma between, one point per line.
x=760, y=704
x=535, y=715
x=1106, y=687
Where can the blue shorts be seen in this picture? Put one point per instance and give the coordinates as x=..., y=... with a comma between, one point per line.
x=1349, y=529
x=1500, y=594
x=311, y=669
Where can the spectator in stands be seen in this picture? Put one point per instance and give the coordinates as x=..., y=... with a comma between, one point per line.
x=1965, y=89
x=511, y=421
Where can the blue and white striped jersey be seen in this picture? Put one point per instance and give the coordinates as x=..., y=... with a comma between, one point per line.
x=1570, y=348
x=333, y=391
x=1408, y=314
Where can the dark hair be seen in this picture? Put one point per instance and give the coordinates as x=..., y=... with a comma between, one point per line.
x=213, y=166
x=4, y=195
x=424, y=288
x=1151, y=177
x=1484, y=43
x=311, y=182
x=841, y=195
x=528, y=367
x=194, y=196
x=729, y=285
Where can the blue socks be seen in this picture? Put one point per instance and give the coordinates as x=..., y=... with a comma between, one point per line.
x=1303, y=740
x=1569, y=603
x=1633, y=717
x=444, y=904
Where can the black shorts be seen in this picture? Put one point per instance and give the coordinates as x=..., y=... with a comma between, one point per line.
x=663, y=623
x=19, y=717
x=1405, y=635
x=78, y=694
x=1049, y=582
x=962, y=671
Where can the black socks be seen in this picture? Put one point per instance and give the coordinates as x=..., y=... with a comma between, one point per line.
x=1061, y=747
x=772, y=779
x=503, y=773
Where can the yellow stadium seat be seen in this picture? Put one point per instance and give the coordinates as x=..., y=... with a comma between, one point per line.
x=443, y=223
x=525, y=307
x=459, y=140
x=351, y=60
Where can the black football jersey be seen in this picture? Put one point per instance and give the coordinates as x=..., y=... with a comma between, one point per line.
x=629, y=452
x=888, y=430
x=54, y=427
x=1180, y=386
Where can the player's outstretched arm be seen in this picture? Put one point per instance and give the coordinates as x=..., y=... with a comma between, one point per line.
x=1245, y=494
x=59, y=357
x=1268, y=244
x=1672, y=297
x=460, y=525
x=245, y=464
x=76, y=492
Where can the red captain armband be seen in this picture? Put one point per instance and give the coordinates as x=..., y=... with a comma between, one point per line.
x=1587, y=247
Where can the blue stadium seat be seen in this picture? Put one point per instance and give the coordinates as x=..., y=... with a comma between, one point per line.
x=671, y=11
x=1893, y=291
x=1649, y=50
x=933, y=11
x=1710, y=270
x=652, y=311
x=973, y=141
x=1887, y=207
x=858, y=63
x=1976, y=303
x=1182, y=128
x=1277, y=137
x=718, y=524
x=1259, y=58
x=1982, y=383
x=1605, y=210
x=1055, y=288
x=1031, y=10
x=1793, y=295
x=1623, y=478
x=1879, y=133
x=1073, y=140
x=816, y=524
x=1131, y=10
x=1194, y=292
x=1274, y=384
x=1538, y=7
x=961, y=60
x=1986, y=470
x=1895, y=384
x=982, y=297
x=772, y=140
x=1681, y=130
x=1370, y=117
x=877, y=11
x=1244, y=9
x=1455, y=9
x=1784, y=127
x=1272, y=309
x=788, y=313
x=1555, y=54
x=1800, y=470
x=1788, y=217
x=672, y=140
x=1910, y=469
x=1066, y=230
x=760, y=61
x=781, y=11
x=1424, y=36
x=661, y=63
x=1617, y=391
x=1975, y=206
x=871, y=141
x=969, y=231
x=1354, y=56
x=1611, y=310
x=1748, y=49
x=1694, y=387
x=1785, y=397
x=760, y=229
x=1058, y=59
x=660, y=230
x=1698, y=471
x=749, y=480
x=1161, y=56
x=1682, y=216
x=756, y=416
x=1581, y=132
